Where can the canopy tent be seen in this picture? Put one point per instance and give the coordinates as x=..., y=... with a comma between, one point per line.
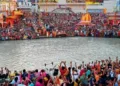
x=86, y=20
x=17, y=13
x=86, y=23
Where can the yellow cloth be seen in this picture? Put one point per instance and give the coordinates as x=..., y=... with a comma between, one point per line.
x=25, y=37
x=75, y=84
x=12, y=74
x=46, y=79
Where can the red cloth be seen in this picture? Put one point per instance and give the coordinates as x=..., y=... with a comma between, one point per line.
x=82, y=72
x=63, y=72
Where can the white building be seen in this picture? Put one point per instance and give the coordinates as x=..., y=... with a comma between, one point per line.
x=7, y=6
x=27, y=5
x=109, y=5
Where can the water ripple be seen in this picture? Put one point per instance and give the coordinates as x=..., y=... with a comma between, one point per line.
x=31, y=54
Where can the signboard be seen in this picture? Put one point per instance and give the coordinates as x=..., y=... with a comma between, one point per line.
x=20, y=0
x=95, y=10
x=92, y=2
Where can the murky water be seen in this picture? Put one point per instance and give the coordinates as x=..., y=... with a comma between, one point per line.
x=31, y=54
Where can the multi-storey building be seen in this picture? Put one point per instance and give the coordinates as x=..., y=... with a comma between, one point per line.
x=27, y=5
x=103, y=4
x=79, y=5
x=49, y=5
x=7, y=6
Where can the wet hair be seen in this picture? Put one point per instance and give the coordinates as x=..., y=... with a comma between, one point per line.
x=55, y=73
x=70, y=80
x=42, y=70
x=60, y=77
x=48, y=76
x=73, y=68
x=23, y=78
x=16, y=74
x=89, y=76
x=79, y=67
x=16, y=79
x=41, y=80
x=24, y=71
x=69, y=68
x=36, y=70
x=63, y=67
x=77, y=80
x=10, y=85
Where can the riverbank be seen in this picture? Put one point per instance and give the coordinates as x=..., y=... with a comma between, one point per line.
x=36, y=26
x=45, y=37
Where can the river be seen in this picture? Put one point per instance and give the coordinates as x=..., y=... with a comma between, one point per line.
x=31, y=54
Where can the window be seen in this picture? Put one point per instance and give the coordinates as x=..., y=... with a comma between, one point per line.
x=75, y=1
x=100, y=1
x=3, y=7
x=52, y=1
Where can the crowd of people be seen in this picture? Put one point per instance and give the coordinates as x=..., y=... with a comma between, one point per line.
x=68, y=23
x=34, y=25
x=97, y=73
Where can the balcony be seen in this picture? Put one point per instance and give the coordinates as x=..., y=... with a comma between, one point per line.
x=56, y=1
x=55, y=4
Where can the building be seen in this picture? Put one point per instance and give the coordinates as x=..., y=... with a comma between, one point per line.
x=79, y=5
x=28, y=5
x=117, y=6
x=49, y=5
x=110, y=5
x=7, y=6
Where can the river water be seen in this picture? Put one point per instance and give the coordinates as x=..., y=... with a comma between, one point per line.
x=31, y=54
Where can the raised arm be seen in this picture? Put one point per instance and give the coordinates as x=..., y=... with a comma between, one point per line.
x=71, y=64
x=62, y=62
x=76, y=65
x=60, y=65
x=65, y=64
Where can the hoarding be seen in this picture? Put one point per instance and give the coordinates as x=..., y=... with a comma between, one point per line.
x=95, y=10
x=92, y=2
